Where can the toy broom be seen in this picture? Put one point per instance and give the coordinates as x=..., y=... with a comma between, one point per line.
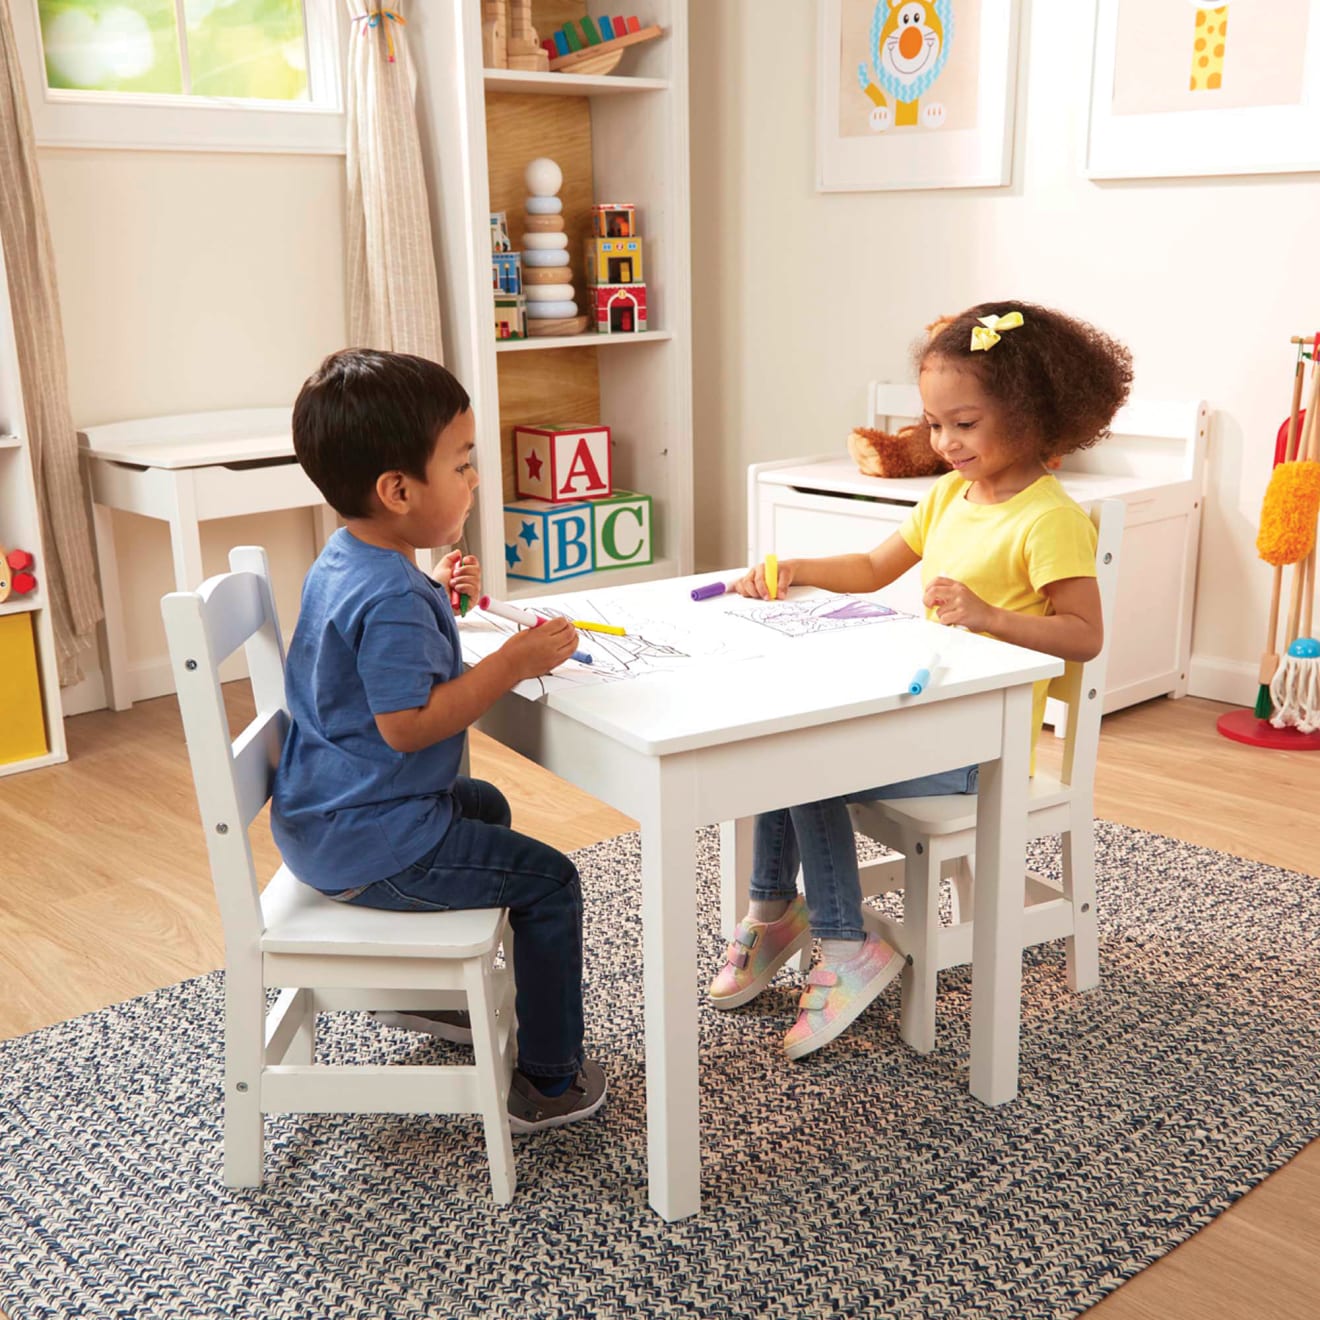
x=1288, y=536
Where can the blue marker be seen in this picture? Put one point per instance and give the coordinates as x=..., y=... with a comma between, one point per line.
x=921, y=679
x=582, y=657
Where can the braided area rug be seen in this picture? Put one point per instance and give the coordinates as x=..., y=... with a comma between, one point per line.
x=863, y=1181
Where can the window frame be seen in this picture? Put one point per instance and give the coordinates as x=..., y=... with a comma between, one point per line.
x=68, y=118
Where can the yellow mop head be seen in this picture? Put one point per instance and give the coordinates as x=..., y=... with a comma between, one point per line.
x=1288, y=513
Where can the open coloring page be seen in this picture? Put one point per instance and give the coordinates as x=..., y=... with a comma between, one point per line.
x=665, y=630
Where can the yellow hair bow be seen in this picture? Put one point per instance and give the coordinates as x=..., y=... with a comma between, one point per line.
x=986, y=334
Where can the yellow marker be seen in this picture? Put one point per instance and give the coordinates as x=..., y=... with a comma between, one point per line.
x=587, y=626
x=772, y=576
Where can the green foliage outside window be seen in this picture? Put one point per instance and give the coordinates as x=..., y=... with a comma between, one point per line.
x=235, y=48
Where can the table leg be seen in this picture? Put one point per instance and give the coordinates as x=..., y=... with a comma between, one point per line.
x=735, y=870
x=669, y=976
x=114, y=656
x=1001, y=844
x=185, y=535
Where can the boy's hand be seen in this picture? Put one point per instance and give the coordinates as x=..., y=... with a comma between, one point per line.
x=958, y=605
x=536, y=651
x=753, y=583
x=443, y=572
x=460, y=575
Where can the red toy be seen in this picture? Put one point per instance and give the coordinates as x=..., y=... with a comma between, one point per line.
x=15, y=578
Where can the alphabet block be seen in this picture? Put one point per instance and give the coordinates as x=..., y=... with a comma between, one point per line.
x=562, y=463
x=544, y=542
x=621, y=530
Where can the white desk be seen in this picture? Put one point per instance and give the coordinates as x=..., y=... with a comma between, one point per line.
x=184, y=470
x=817, y=716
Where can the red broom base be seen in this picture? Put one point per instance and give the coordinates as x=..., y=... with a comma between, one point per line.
x=1243, y=726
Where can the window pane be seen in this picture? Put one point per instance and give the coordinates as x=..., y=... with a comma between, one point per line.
x=111, y=45
x=252, y=48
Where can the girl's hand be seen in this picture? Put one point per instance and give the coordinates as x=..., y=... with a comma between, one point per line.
x=958, y=605
x=753, y=584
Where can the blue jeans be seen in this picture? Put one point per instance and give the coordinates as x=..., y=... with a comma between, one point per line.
x=482, y=863
x=819, y=836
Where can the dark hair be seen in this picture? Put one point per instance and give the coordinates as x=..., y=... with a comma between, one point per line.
x=364, y=412
x=1059, y=380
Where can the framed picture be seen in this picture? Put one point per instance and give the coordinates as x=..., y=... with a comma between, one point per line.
x=914, y=93
x=1182, y=87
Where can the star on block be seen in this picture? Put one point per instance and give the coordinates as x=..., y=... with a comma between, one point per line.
x=528, y=534
x=511, y=555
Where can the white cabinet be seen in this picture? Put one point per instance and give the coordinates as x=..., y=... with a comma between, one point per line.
x=622, y=137
x=20, y=529
x=1154, y=462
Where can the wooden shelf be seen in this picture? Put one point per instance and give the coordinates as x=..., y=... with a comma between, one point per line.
x=527, y=83
x=579, y=341
x=518, y=588
x=9, y=442
x=21, y=604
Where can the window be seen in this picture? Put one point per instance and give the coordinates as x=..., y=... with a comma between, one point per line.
x=256, y=75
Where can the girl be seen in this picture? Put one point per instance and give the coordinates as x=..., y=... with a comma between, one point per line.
x=1006, y=389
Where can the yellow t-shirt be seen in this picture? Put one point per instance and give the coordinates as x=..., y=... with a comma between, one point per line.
x=1004, y=552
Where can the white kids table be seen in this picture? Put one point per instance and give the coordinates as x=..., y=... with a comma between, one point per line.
x=813, y=717
x=184, y=470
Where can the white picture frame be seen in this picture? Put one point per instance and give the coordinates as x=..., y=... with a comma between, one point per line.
x=972, y=149
x=1174, y=140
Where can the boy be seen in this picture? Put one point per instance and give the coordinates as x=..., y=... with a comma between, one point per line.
x=368, y=806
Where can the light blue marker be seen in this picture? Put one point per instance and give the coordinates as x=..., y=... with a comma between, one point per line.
x=921, y=679
x=582, y=657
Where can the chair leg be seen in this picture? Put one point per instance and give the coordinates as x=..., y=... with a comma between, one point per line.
x=302, y=1048
x=245, y=1057
x=1079, y=888
x=921, y=916
x=961, y=891
x=491, y=1088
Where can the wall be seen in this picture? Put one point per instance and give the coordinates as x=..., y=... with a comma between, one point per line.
x=188, y=282
x=801, y=297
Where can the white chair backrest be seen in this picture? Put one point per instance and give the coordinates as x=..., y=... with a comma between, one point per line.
x=1082, y=685
x=232, y=779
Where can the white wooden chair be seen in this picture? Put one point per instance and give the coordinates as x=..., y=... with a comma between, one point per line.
x=322, y=955
x=937, y=836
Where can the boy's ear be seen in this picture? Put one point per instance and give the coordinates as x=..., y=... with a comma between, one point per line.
x=392, y=492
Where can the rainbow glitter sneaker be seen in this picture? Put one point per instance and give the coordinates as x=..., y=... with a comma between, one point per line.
x=835, y=996
x=756, y=952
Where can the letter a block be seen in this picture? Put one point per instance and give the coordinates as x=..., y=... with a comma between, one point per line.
x=563, y=463
x=621, y=530
x=544, y=542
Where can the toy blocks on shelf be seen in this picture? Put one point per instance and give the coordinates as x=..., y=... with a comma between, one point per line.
x=510, y=316
x=506, y=272
x=16, y=576
x=621, y=530
x=596, y=44
x=614, y=220
x=546, y=542
x=562, y=463
x=614, y=261
x=619, y=308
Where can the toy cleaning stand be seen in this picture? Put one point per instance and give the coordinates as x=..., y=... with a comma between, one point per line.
x=1287, y=712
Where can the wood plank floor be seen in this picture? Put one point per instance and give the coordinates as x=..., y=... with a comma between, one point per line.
x=106, y=895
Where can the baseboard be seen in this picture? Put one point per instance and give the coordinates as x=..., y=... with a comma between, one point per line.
x=1218, y=679
x=146, y=679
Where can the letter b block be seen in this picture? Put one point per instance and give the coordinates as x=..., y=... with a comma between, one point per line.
x=562, y=464
x=544, y=542
x=621, y=530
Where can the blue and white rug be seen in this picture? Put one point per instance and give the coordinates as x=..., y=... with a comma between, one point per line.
x=864, y=1181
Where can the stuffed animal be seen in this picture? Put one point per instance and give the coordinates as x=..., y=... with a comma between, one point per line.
x=905, y=454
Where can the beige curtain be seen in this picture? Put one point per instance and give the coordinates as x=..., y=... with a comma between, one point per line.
x=69, y=573
x=393, y=300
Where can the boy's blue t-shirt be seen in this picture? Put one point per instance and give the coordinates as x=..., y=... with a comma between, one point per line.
x=374, y=635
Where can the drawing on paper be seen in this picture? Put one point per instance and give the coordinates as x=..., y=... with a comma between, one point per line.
x=802, y=618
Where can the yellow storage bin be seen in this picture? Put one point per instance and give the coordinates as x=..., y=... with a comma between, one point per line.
x=22, y=721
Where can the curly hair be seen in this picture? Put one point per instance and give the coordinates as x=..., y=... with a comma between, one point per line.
x=1059, y=380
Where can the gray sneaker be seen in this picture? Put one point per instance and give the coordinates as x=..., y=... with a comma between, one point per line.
x=447, y=1024
x=530, y=1111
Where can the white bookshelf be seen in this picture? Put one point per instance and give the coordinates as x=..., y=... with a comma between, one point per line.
x=619, y=138
x=20, y=528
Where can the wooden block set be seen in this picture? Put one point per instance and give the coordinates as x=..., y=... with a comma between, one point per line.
x=569, y=519
x=615, y=270
x=595, y=45
x=508, y=39
x=506, y=282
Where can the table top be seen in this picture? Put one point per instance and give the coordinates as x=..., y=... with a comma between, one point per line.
x=796, y=682
x=189, y=440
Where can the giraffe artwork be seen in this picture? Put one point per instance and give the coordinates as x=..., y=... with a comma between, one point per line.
x=1208, y=46
x=909, y=47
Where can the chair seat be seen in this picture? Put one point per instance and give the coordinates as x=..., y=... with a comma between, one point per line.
x=952, y=813
x=298, y=919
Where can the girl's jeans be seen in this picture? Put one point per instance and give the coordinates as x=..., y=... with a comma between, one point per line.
x=819, y=837
x=482, y=863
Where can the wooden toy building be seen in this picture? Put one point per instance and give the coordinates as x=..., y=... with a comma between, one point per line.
x=615, y=270
x=506, y=281
x=569, y=519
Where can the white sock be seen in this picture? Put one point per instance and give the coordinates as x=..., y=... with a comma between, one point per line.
x=770, y=910
x=834, y=952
